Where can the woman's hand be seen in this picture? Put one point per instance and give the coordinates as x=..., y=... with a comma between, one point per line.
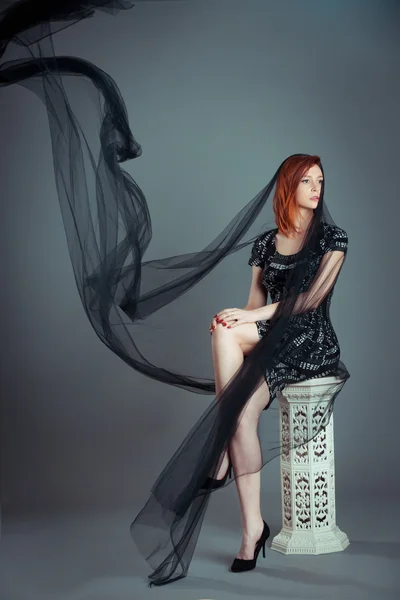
x=232, y=317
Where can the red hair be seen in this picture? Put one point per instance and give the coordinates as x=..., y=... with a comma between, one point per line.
x=289, y=177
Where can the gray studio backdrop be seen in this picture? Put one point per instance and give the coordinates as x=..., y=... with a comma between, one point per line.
x=218, y=94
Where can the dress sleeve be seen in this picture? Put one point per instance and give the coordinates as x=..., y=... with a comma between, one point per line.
x=336, y=240
x=257, y=256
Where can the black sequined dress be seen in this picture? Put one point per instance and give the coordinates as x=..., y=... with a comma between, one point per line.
x=313, y=344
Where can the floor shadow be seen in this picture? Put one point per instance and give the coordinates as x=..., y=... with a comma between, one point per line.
x=372, y=548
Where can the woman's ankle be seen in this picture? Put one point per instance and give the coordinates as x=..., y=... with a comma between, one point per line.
x=253, y=527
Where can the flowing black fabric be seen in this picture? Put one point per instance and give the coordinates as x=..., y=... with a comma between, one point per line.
x=108, y=229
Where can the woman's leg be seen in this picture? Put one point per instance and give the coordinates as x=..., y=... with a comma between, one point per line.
x=227, y=357
x=229, y=348
x=245, y=452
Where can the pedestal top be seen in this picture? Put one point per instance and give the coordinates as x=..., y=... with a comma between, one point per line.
x=316, y=381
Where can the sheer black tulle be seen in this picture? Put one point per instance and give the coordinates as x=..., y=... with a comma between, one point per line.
x=108, y=229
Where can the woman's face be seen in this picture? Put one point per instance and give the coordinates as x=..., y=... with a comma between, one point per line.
x=309, y=188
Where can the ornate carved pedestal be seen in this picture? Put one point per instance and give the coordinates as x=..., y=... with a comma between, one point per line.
x=308, y=472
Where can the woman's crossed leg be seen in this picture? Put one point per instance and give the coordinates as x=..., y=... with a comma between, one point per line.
x=229, y=347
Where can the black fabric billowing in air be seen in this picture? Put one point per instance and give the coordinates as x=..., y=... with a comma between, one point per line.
x=108, y=229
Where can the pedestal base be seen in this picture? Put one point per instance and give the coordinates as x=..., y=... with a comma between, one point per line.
x=301, y=542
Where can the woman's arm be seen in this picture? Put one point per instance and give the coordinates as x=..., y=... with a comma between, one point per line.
x=258, y=295
x=322, y=284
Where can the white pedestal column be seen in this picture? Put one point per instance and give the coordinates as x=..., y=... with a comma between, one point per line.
x=308, y=472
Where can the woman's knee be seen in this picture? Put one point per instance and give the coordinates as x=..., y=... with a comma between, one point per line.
x=221, y=333
x=245, y=335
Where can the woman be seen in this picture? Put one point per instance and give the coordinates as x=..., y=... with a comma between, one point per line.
x=250, y=324
x=256, y=352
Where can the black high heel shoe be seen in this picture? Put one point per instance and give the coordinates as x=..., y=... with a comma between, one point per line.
x=213, y=484
x=241, y=564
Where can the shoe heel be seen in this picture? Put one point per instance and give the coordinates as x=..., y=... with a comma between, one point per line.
x=230, y=471
x=263, y=549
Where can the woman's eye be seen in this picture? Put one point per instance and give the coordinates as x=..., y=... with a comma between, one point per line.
x=321, y=180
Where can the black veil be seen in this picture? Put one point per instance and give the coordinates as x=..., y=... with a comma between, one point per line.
x=108, y=229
